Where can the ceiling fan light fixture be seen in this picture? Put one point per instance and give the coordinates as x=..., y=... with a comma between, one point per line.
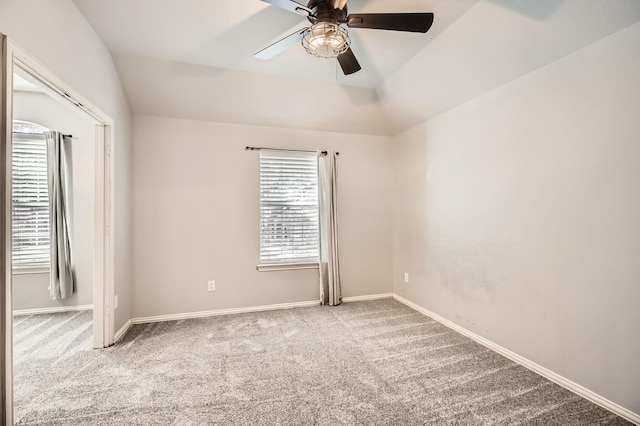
x=326, y=40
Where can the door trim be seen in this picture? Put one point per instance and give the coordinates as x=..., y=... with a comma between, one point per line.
x=103, y=256
x=6, y=331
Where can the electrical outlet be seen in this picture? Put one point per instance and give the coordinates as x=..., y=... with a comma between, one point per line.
x=406, y=277
x=115, y=302
x=211, y=285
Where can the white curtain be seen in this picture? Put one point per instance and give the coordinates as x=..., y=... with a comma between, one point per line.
x=61, y=281
x=330, y=290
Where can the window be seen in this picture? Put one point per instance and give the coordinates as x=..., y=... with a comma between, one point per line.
x=289, y=231
x=30, y=198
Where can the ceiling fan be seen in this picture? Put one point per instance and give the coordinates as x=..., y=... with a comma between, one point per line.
x=327, y=38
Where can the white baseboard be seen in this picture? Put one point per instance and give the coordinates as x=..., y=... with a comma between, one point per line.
x=123, y=330
x=52, y=310
x=537, y=368
x=231, y=311
x=367, y=297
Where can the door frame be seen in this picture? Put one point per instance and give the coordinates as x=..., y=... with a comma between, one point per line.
x=103, y=248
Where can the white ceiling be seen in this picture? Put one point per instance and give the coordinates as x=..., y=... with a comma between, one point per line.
x=227, y=33
x=194, y=58
x=494, y=43
x=177, y=89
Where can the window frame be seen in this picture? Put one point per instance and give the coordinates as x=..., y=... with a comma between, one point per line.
x=288, y=263
x=23, y=130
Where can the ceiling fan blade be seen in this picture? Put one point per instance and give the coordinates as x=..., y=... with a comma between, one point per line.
x=348, y=62
x=412, y=22
x=339, y=4
x=280, y=45
x=291, y=6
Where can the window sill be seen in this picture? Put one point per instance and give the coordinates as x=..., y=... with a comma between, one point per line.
x=286, y=266
x=30, y=271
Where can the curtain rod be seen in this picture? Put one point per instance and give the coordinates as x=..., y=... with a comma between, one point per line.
x=260, y=148
x=39, y=134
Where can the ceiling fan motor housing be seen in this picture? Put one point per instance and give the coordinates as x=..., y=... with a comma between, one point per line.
x=326, y=38
x=324, y=11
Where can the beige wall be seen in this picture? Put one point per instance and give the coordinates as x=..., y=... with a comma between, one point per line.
x=30, y=291
x=517, y=216
x=57, y=34
x=196, y=216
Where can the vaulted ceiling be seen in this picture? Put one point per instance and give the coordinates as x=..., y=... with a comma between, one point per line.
x=194, y=58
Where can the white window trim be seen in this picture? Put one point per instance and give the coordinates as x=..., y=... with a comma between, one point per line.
x=289, y=263
x=28, y=131
x=286, y=267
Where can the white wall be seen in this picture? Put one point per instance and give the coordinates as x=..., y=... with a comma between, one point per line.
x=518, y=216
x=56, y=33
x=196, y=216
x=30, y=291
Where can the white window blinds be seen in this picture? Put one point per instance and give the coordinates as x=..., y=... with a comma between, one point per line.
x=30, y=198
x=288, y=207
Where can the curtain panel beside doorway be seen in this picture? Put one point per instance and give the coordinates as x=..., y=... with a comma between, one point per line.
x=59, y=169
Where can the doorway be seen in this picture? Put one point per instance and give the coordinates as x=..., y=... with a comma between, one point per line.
x=17, y=62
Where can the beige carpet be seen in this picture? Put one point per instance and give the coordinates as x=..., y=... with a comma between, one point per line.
x=367, y=363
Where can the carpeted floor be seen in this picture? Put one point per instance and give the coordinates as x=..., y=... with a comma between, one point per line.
x=366, y=363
